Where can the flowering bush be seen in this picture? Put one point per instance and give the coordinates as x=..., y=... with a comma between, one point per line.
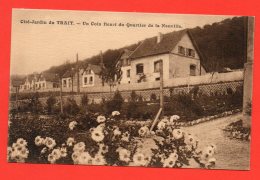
x=107, y=142
x=18, y=152
x=238, y=131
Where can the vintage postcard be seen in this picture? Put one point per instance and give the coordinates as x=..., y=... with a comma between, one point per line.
x=130, y=89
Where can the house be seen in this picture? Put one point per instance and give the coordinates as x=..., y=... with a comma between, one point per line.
x=89, y=75
x=35, y=82
x=125, y=64
x=177, y=51
x=29, y=82
x=47, y=81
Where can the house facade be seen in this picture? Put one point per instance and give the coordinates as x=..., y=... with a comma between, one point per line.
x=176, y=50
x=89, y=76
x=41, y=81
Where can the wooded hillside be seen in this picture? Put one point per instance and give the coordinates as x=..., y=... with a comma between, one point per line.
x=222, y=45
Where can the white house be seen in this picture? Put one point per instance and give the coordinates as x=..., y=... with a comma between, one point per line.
x=88, y=77
x=178, y=52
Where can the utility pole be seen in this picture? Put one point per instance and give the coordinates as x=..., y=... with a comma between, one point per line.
x=61, y=104
x=16, y=97
x=77, y=60
x=72, y=77
x=161, y=109
x=161, y=88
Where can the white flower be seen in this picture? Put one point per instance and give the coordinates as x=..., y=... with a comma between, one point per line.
x=97, y=135
x=190, y=140
x=125, y=137
x=101, y=119
x=24, y=153
x=103, y=148
x=75, y=156
x=161, y=125
x=84, y=158
x=9, y=151
x=70, y=141
x=21, y=142
x=139, y=159
x=49, y=142
x=99, y=160
x=177, y=133
x=101, y=126
x=72, y=125
x=39, y=141
x=63, y=152
x=209, y=150
x=79, y=147
x=117, y=132
x=171, y=160
x=44, y=150
x=51, y=158
x=174, y=118
x=115, y=113
x=143, y=131
x=56, y=153
x=124, y=154
x=19, y=152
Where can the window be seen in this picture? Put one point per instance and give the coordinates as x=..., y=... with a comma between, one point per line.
x=91, y=80
x=128, y=73
x=69, y=82
x=181, y=50
x=190, y=52
x=64, y=83
x=85, y=80
x=139, y=69
x=192, y=70
x=157, y=79
x=43, y=85
x=157, y=66
x=128, y=62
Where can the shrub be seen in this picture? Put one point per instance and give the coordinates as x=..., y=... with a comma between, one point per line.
x=134, y=96
x=153, y=97
x=51, y=101
x=84, y=100
x=115, y=104
x=71, y=106
x=34, y=104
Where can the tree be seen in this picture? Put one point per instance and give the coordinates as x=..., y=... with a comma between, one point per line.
x=111, y=70
x=51, y=101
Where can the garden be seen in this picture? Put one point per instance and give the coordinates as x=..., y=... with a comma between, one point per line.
x=115, y=132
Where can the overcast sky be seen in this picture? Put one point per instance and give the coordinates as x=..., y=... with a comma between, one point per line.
x=36, y=47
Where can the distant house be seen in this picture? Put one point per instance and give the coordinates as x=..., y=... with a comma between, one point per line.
x=177, y=50
x=35, y=81
x=88, y=77
x=125, y=65
x=47, y=81
x=30, y=82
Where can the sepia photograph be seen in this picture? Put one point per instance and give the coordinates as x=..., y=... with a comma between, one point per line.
x=130, y=89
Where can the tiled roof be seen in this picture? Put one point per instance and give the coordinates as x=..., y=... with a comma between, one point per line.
x=95, y=68
x=49, y=77
x=150, y=46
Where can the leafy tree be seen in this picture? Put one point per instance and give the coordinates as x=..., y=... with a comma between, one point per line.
x=51, y=101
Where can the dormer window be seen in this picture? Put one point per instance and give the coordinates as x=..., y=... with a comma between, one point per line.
x=190, y=52
x=181, y=50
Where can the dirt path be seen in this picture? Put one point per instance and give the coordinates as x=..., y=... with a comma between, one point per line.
x=231, y=153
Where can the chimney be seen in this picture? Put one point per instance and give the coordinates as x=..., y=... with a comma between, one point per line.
x=159, y=37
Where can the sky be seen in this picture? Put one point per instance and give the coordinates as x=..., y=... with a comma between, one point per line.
x=37, y=47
